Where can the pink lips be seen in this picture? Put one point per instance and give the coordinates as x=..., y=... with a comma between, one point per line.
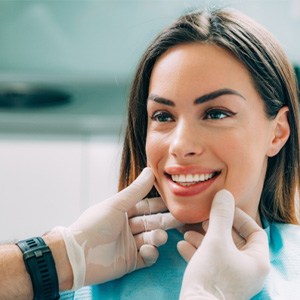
x=190, y=190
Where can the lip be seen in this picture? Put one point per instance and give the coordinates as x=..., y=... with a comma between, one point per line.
x=191, y=190
x=184, y=170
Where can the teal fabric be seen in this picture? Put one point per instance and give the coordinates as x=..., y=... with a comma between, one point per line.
x=163, y=280
x=283, y=281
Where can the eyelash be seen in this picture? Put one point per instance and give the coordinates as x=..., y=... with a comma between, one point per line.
x=218, y=111
x=160, y=114
x=207, y=115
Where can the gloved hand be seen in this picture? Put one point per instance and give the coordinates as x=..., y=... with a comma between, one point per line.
x=100, y=243
x=218, y=269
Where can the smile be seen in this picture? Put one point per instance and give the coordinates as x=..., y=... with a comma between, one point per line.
x=186, y=184
x=191, y=179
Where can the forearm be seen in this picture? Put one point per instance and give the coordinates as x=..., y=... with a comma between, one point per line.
x=15, y=282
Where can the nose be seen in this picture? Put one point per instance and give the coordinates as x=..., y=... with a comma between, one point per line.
x=186, y=141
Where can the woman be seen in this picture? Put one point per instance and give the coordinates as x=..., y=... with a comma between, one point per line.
x=214, y=105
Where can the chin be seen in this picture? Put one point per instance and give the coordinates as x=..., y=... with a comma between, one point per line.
x=189, y=217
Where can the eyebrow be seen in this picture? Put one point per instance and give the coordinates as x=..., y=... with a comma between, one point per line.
x=161, y=100
x=216, y=94
x=201, y=99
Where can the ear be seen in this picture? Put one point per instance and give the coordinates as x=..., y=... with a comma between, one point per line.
x=281, y=131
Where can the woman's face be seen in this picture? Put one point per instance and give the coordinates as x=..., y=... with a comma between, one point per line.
x=207, y=130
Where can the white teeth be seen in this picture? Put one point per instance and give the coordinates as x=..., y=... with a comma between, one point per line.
x=181, y=178
x=191, y=178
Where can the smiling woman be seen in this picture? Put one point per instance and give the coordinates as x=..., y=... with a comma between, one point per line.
x=214, y=105
x=215, y=129
x=192, y=60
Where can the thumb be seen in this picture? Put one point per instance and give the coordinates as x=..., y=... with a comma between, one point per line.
x=222, y=213
x=254, y=235
x=136, y=191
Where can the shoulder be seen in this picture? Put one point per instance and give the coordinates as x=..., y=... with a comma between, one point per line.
x=284, y=237
x=286, y=228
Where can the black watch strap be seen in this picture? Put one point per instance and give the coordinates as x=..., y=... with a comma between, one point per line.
x=40, y=265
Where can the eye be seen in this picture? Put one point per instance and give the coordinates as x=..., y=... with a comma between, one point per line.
x=162, y=116
x=217, y=114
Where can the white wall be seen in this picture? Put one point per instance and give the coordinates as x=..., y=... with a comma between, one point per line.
x=47, y=181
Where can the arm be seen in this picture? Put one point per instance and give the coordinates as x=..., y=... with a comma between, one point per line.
x=15, y=282
x=101, y=245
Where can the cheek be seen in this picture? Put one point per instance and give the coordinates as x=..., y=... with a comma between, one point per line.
x=246, y=169
x=156, y=153
x=156, y=149
x=150, y=151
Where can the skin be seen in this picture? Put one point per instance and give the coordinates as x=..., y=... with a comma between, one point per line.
x=226, y=135
x=15, y=282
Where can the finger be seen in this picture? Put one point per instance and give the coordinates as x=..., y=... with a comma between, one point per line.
x=156, y=238
x=250, y=230
x=148, y=206
x=147, y=256
x=221, y=214
x=256, y=240
x=194, y=238
x=136, y=191
x=244, y=224
x=186, y=250
x=237, y=239
x=204, y=225
x=163, y=221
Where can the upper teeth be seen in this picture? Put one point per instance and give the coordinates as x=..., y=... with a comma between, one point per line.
x=192, y=177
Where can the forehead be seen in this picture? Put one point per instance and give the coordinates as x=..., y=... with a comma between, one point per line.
x=198, y=67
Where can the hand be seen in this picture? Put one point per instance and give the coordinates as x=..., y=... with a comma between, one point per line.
x=100, y=244
x=218, y=269
x=144, y=219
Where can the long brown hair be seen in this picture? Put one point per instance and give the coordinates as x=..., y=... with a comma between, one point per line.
x=273, y=78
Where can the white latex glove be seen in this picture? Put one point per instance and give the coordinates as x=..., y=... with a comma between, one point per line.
x=218, y=269
x=144, y=219
x=100, y=243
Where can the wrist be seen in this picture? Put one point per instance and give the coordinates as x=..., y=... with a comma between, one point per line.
x=75, y=255
x=55, y=242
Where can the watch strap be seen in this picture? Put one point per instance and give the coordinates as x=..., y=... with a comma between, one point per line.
x=40, y=265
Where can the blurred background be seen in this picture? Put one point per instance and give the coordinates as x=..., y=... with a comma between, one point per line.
x=65, y=72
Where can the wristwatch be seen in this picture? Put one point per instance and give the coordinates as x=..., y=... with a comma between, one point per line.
x=40, y=265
